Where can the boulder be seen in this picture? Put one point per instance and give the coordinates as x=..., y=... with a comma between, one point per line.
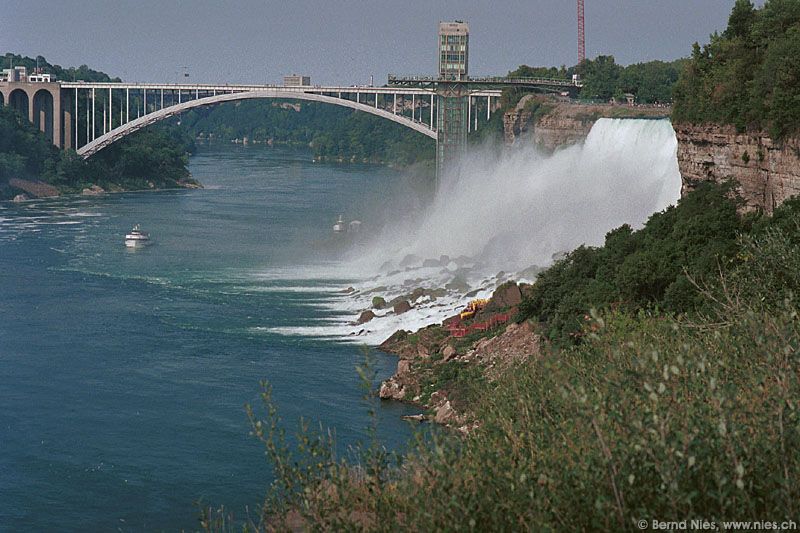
x=449, y=352
x=378, y=302
x=409, y=260
x=366, y=316
x=401, y=307
x=391, y=390
x=21, y=198
x=457, y=284
x=430, y=263
x=417, y=293
x=437, y=293
x=445, y=414
x=94, y=190
x=506, y=295
x=403, y=366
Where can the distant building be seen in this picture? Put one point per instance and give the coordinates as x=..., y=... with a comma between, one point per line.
x=453, y=50
x=39, y=78
x=15, y=74
x=295, y=80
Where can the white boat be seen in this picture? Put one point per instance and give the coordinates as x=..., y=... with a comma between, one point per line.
x=137, y=237
x=339, y=227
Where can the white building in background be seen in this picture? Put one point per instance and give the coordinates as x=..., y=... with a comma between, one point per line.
x=453, y=50
x=296, y=80
x=39, y=78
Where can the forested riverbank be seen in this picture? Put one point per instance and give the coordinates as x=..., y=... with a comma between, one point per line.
x=147, y=160
x=31, y=166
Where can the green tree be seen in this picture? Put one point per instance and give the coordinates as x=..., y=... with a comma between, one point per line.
x=747, y=76
x=600, y=78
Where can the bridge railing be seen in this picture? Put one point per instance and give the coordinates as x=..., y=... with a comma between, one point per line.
x=489, y=80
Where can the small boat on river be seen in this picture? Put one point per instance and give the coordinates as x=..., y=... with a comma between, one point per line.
x=137, y=238
x=340, y=227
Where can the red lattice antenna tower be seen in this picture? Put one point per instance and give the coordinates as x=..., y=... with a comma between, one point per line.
x=581, y=34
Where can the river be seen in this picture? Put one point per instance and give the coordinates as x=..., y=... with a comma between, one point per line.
x=123, y=374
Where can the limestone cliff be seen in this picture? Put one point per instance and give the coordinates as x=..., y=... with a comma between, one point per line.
x=767, y=172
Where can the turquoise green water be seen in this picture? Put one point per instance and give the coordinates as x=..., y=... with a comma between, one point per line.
x=123, y=374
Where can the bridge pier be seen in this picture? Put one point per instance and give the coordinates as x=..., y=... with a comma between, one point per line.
x=452, y=124
x=57, y=125
x=68, y=143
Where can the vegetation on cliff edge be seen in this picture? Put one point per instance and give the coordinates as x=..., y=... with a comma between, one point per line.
x=654, y=268
x=748, y=76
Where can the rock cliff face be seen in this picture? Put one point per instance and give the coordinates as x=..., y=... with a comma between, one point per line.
x=555, y=130
x=559, y=125
x=565, y=123
x=766, y=172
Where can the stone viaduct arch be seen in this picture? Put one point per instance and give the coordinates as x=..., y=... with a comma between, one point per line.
x=43, y=105
x=39, y=102
x=19, y=101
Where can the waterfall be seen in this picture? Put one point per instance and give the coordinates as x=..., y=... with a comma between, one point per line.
x=507, y=212
x=522, y=207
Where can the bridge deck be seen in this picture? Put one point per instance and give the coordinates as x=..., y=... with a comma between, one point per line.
x=226, y=88
x=487, y=82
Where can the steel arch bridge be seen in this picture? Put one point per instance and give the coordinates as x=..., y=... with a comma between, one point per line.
x=111, y=111
x=119, y=132
x=89, y=117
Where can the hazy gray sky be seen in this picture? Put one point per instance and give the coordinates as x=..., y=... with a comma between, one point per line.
x=341, y=41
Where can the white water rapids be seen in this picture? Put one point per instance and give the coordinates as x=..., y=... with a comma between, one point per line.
x=501, y=216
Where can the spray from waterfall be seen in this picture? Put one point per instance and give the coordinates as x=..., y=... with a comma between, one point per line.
x=520, y=208
x=505, y=216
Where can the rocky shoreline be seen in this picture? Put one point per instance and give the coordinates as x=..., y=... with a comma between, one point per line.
x=438, y=363
x=27, y=190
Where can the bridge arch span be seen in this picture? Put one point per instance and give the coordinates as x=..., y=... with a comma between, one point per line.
x=120, y=132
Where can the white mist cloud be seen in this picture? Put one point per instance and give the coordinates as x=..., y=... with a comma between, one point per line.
x=508, y=212
x=520, y=209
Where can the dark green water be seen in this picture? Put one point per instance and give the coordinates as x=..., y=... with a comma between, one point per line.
x=123, y=374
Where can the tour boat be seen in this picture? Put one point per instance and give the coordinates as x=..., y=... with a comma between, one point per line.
x=136, y=238
x=339, y=227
